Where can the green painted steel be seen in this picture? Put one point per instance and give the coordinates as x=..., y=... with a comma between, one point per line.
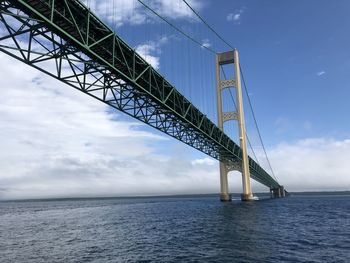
x=86, y=54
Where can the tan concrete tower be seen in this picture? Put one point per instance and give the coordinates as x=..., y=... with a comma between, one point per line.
x=231, y=57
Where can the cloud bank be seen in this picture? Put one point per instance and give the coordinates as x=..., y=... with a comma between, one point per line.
x=314, y=164
x=58, y=142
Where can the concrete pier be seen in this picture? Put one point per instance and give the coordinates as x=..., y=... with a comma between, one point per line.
x=278, y=192
x=225, y=197
x=247, y=197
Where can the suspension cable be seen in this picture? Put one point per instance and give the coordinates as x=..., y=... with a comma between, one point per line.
x=177, y=29
x=211, y=28
x=229, y=45
x=214, y=52
x=234, y=103
x=256, y=123
x=245, y=88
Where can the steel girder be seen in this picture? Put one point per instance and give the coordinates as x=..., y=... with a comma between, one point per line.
x=65, y=40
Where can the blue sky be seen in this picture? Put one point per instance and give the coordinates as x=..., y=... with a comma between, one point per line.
x=294, y=55
x=296, y=61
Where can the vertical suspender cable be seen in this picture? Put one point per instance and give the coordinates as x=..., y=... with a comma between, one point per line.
x=208, y=49
x=256, y=123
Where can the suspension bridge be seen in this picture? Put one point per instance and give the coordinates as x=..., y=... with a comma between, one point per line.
x=67, y=41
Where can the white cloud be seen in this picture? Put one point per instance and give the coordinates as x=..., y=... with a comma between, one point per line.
x=120, y=12
x=312, y=164
x=151, y=50
x=207, y=161
x=206, y=43
x=53, y=132
x=176, y=9
x=236, y=16
x=320, y=73
x=60, y=142
x=145, y=51
x=229, y=17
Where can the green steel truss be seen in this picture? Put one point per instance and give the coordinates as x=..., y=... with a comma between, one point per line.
x=65, y=40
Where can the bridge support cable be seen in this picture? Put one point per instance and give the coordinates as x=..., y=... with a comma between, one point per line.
x=210, y=27
x=177, y=28
x=198, y=43
x=66, y=41
x=211, y=50
x=256, y=123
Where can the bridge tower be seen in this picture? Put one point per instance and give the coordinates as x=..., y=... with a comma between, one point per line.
x=231, y=57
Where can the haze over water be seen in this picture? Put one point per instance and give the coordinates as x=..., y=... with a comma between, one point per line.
x=176, y=229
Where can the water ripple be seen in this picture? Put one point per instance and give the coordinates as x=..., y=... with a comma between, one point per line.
x=295, y=229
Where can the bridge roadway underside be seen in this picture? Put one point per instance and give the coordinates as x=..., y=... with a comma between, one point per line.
x=65, y=40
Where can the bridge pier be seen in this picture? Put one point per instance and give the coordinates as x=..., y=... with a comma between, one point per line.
x=224, y=193
x=225, y=197
x=247, y=197
x=278, y=192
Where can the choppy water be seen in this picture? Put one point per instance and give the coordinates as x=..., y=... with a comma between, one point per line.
x=191, y=229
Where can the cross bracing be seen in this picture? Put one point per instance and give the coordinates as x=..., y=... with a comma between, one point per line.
x=65, y=40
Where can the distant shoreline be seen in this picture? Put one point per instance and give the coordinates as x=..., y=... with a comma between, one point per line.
x=307, y=193
x=321, y=193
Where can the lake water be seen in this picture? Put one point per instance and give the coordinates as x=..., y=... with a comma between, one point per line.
x=176, y=229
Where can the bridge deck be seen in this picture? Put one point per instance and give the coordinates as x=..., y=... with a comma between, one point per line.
x=102, y=65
